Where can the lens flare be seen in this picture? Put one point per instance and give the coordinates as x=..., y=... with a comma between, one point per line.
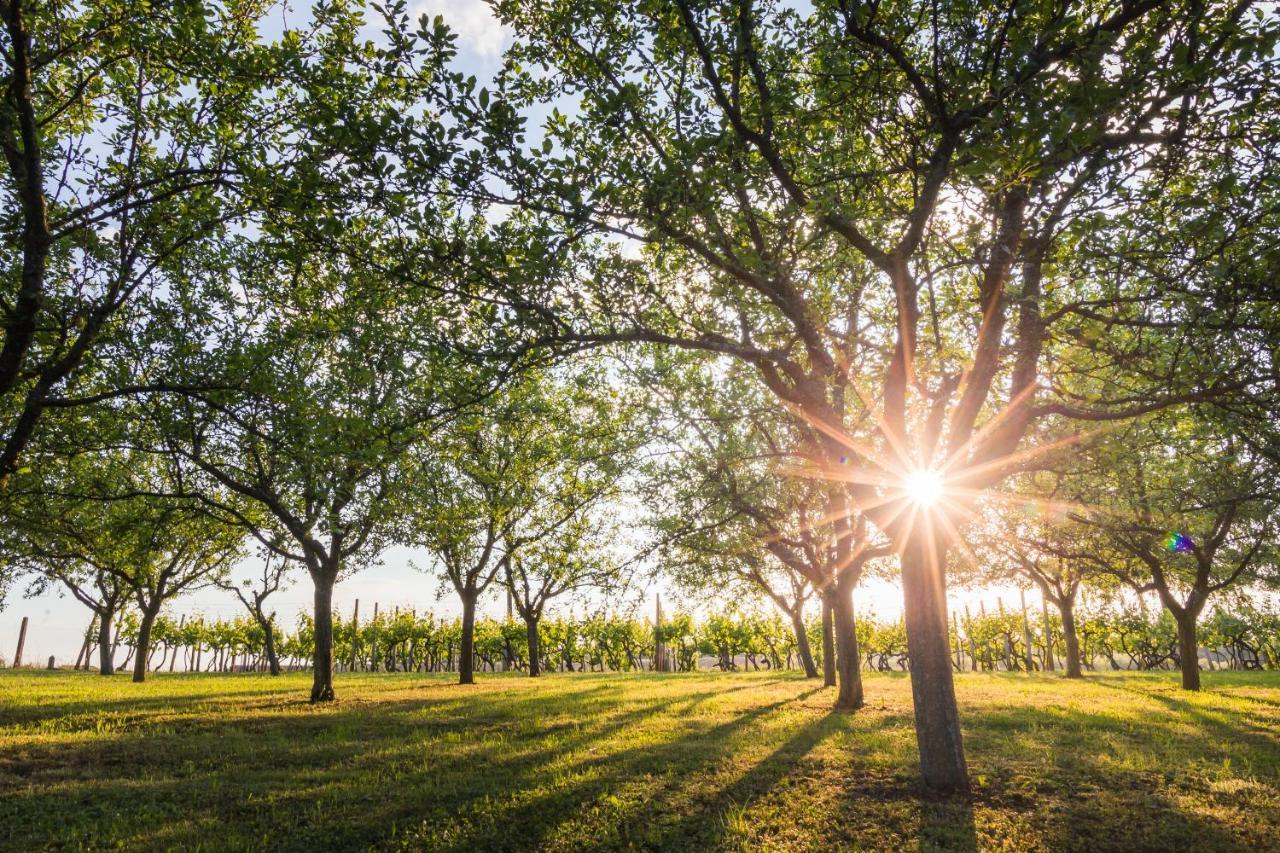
x=1178, y=543
x=924, y=487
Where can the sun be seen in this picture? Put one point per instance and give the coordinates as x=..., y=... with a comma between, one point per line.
x=923, y=487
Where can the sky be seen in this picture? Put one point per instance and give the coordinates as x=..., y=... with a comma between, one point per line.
x=481, y=38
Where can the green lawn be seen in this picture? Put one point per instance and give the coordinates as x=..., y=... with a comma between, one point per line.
x=643, y=761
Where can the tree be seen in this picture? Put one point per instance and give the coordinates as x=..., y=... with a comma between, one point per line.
x=1187, y=511
x=740, y=518
x=541, y=565
x=333, y=381
x=175, y=549
x=253, y=594
x=1027, y=536
x=817, y=194
x=101, y=591
x=97, y=522
x=515, y=489
x=307, y=377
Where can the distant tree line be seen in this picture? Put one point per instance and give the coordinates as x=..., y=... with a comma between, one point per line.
x=1114, y=636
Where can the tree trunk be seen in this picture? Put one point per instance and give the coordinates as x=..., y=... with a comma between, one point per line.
x=942, y=762
x=828, y=643
x=1189, y=652
x=1068, y=611
x=322, y=684
x=143, y=652
x=802, y=644
x=106, y=651
x=269, y=645
x=1048, y=634
x=466, y=655
x=848, y=662
x=535, y=665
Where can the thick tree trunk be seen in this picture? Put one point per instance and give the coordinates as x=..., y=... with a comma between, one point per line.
x=535, y=653
x=144, y=649
x=1189, y=652
x=828, y=642
x=802, y=644
x=106, y=651
x=848, y=669
x=466, y=655
x=1068, y=611
x=322, y=683
x=942, y=762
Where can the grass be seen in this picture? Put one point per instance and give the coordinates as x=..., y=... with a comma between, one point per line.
x=759, y=761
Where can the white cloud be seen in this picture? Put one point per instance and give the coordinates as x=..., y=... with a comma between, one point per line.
x=478, y=31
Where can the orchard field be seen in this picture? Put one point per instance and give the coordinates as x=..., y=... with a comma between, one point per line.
x=677, y=327
x=1118, y=761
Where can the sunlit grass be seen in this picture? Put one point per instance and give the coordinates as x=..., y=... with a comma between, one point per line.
x=631, y=761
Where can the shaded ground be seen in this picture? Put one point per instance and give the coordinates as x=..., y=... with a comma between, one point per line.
x=1118, y=762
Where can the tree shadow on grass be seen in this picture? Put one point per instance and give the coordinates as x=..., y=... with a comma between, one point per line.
x=1260, y=741
x=1090, y=793
x=1253, y=678
x=658, y=768
x=878, y=806
x=605, y=762
x=371, y=764
x=947, y=824
x=80, y=713
x=45, y=711
x=1244, y=697
x=758, y=781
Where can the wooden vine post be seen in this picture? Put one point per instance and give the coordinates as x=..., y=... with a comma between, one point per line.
x=22, y=641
